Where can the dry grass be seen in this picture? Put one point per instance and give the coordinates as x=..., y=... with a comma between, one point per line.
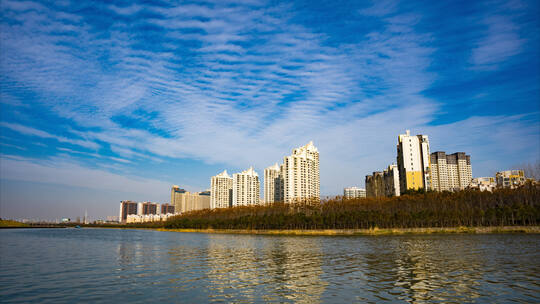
x=11, y=224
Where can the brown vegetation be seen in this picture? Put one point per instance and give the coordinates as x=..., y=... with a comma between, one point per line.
x=505, y=207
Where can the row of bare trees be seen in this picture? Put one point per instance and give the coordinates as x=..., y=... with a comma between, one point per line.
x=431, y=209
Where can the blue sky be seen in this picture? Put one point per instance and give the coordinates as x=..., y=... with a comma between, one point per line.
x=104, y=101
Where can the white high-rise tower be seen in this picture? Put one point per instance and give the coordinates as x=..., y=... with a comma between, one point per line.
x=300, y=173
x=246, y=188
x=273, y=184
x=221, y=190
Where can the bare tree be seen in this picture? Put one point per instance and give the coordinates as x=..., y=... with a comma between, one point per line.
x=530, y=169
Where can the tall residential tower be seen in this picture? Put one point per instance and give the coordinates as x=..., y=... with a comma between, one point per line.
x=221, y=187
x=413, y=159
x=246, y=188
x=273, y=184
x=450, y=172
x=301, y=174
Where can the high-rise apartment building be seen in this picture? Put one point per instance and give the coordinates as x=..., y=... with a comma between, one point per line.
x=300, y=173
x=148, y=208
x=273, y=184
x=221, y=187
x=354, y=192
x=413, y=159
x=177, y=196
x=167, y=209
x=375, y=184
x=391, y=181
x=384, y=183
x=450, y=172
x=184, y=201
x=246, y=188
x=127, y=208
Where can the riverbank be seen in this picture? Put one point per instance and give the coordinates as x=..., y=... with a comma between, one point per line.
x=12, y=224
x=374, y=231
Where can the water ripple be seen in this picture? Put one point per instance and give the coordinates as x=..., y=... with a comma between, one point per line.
x=109, y=265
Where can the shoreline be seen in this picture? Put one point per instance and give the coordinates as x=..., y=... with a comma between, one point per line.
x=368, y=232
x=332, y=232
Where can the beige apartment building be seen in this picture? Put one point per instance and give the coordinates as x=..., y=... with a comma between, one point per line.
x=300, y=173
x=451, y=172
x=184, y=201
x=413, y=161
x=221, y=191
x=246, y=188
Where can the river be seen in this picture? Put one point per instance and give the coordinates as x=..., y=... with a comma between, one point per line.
x=117, y=266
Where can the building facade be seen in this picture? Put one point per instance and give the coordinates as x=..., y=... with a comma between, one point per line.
x=127, y=208
x=391, y=181
x=143, y=211
x=385, y=183
x=375, y=184
x=354, y=192
x=483, y=184
x=246, y=188
x=451, y=172
x=177, y=197
x=184, y=201
x=510, y=179
x=413, y=161
x=148, y=208
x=221, y=187
x=273, y=184
x=300, y=173
x=167, y=209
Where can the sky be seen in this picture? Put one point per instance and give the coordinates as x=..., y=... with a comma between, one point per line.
x=109, y=101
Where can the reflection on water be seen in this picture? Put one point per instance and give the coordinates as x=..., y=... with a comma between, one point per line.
x=269, y=269
x=428, y=273
x=108, y=265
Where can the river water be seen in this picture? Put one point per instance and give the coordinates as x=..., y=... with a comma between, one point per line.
x=113, y=265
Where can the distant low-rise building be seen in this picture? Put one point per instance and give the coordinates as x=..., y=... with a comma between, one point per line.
x=483, y=183
x=354, y=192
x=510, y=179
x=142, y=218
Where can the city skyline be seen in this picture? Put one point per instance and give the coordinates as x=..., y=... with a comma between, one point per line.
x=102, y=102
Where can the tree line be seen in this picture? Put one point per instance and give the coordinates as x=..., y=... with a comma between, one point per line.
x=503, y=207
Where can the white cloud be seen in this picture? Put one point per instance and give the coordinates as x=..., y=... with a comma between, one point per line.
x=63, y=172
x=39, y=133
x=248, y=87
x=501, y=42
